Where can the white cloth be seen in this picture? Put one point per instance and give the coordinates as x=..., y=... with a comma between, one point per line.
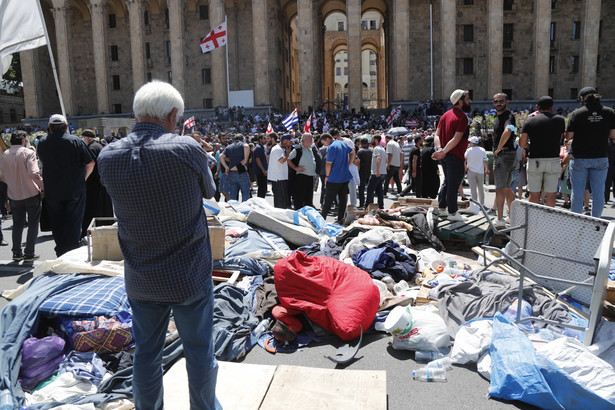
x=476, y=157
x=275, y=170
x=393, y=148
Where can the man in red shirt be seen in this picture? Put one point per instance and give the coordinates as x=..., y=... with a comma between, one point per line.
x=453, y=135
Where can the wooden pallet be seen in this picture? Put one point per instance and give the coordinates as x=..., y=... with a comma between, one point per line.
x=472, y=231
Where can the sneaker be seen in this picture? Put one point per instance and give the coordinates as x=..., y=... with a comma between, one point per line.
x=30, y=258
x=500, y=223
x=442, y=212
x=492, y=211
x=4, y=243
x=507, y=220
x=457, y=217
x=17, y=256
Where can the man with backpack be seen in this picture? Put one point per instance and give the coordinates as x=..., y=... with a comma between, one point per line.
x=304, y=160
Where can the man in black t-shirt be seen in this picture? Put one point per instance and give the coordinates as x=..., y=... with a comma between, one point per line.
x=504, y=155
x=365, y=157
x=542, y=134
x=590, y=128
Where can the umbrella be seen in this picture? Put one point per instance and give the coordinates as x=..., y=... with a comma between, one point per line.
x=395, y=131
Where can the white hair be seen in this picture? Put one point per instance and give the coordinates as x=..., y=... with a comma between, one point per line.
x=157, y=99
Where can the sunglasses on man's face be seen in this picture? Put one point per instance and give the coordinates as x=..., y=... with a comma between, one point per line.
x=499, y=101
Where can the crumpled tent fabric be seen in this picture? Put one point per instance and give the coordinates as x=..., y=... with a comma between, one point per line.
x=328, y=248
x=253, y=241
x=387, y=259
x=371, y=239
x=336, y=296
x=518, y=372
x=244, y=264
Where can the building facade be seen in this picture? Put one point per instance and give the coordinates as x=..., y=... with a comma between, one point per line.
x=309, y=53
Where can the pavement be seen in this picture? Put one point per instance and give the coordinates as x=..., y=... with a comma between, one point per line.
x=465, y=388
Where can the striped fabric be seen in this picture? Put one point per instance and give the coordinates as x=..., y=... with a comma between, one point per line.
x=291, y=120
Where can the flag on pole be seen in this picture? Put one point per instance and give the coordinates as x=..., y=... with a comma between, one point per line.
x=315, y=123
x=21, y=28
x=269, y=129
x=308, y=124
x=216, y=38
x=189, y=123
x=325, y=125
x=291, y=120
x=394, y=114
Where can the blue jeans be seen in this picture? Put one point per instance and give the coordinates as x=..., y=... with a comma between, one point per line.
x=454, y=171
x=237, y=182
x=65, y=217
x=594, y=170
x=194, y=320
x=31, y=206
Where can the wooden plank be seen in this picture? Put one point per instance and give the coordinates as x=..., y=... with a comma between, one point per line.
x=306, y=388
x=240, y=386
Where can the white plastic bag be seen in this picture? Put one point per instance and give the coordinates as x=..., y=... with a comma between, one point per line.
x=428, y=332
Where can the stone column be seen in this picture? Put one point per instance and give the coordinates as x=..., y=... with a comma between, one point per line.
x=28, y=60
x=61, y=16
x=448, y=22
x=307, y=54
x=355, y=73
x=217, y=10
x=542, y=49
x=176, y=35
x=98, y=11
x=495, y=37
x=400, y=89
x=261, y=53
x=137, y=43
x=589, y=42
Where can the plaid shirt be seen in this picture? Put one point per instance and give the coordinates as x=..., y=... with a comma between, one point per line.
x=157, y=182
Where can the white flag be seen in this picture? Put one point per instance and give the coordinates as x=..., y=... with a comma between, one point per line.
x=21, y=29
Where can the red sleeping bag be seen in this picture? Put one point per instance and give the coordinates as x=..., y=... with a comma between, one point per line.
x=338, y=297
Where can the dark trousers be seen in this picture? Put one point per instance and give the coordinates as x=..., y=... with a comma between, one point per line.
x=453, y=175
x=375, y=186
x=3, y=198
x=393, y=172
x=65, y=216
x=364, y=180
x=261, y=182
x=304, y=191
x=339, y=190
x=32, y=207
x=610, y=182
x=280, y=193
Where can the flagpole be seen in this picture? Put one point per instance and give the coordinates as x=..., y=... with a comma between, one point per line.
x=228, y=83
x=53, y=64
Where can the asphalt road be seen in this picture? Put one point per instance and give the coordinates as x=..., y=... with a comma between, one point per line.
x=465, y=388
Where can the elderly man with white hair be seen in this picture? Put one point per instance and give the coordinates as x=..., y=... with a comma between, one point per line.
x=157, y=181
x=305, y=161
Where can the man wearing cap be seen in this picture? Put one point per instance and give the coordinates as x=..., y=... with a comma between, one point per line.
x=590, y=127
x=19, y=169
x=541, y=136
x=234, y=162
x=504, y=156
x=277, y=172
x=477, y=165
x=67, y=164
x=157, y=180
x=452, y=132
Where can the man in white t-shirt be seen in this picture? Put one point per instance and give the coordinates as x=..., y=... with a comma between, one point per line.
x=378, y=172
x=477, y=165
x=277, y=171
x=394, y=160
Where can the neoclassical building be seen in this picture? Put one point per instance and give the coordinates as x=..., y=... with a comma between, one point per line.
x=304, y=53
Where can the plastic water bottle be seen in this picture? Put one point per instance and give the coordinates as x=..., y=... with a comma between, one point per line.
x=260, y=329
x=425, y=356
x=6, y=400
x=426, y=374
x=444, y=363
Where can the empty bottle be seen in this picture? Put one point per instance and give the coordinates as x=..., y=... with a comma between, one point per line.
x=261, y=328
x=424, y=356
x=426, y=374
x=444, y=363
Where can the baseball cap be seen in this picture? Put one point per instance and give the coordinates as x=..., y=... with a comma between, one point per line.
x=457, y=95
x=286, y=137
x=587, y=90
x=474, y=140
x=545, y=102
x=57, y=119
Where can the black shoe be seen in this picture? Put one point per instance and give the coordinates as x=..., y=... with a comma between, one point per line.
x=17, y=256
x=3, y=243
x=30, y=258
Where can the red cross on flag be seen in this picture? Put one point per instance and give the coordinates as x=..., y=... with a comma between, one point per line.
x=216, y=38
x=269, y=129
x=189, y=123
x=308, y=123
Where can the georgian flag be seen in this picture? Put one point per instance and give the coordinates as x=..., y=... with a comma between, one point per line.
x=216, y=38
x=394, y=114
x=308, y=124
x=315, y=123
x=291, y=120
x=269, y=129
x=189, y=123
x=325, y=125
